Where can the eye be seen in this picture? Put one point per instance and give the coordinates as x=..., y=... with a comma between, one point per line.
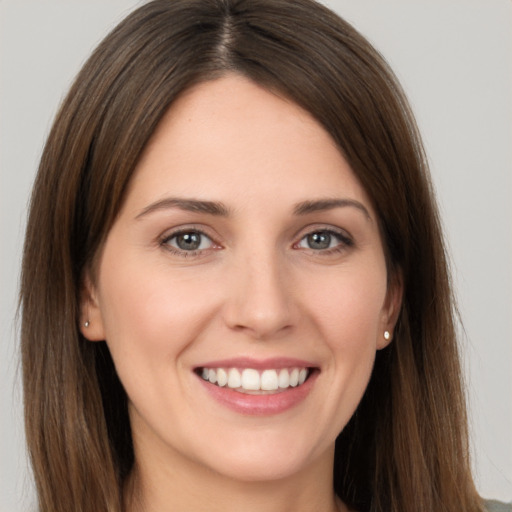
x=323, y=240
x=188, y=241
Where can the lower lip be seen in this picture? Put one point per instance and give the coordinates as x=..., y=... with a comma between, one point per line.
x=260, y=405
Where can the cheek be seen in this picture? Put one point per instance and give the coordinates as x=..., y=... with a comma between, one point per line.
x=150, y=313
x=350, y=318
x=349, y=306
x=150, y=319
x=352, y=324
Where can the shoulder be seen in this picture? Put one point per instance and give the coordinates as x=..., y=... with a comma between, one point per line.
x=497, y=506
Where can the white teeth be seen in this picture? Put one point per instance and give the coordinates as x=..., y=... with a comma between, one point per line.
x=250, y=379
x=269, y=380
x=222, y=377
x=234, y=380
x=284, y=379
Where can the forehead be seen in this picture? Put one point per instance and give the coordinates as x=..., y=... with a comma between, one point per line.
x=234, y=140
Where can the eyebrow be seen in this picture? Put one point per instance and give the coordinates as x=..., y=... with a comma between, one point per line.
x=189, y=205
x=221, y=210
x=307, y=207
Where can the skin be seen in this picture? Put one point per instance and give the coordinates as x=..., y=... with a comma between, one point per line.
x=255, y=288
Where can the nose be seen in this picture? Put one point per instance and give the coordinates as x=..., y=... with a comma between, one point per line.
x=260, y=301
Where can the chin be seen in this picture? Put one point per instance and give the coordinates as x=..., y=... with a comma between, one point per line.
x=253, y=471
x=265, y=457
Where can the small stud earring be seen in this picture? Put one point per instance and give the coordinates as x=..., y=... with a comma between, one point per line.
x=86, y=323
x=387, y=335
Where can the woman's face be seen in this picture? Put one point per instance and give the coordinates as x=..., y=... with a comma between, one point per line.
x=246, y=256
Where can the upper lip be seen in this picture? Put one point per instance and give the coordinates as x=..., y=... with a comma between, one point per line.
x=259, y=364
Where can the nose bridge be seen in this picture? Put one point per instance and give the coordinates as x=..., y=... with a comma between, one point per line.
x=260, y=301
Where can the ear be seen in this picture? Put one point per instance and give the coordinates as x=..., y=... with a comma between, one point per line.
x=91, y=319
x=391, y=310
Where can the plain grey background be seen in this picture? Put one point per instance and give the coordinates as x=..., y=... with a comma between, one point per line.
x=454, y=58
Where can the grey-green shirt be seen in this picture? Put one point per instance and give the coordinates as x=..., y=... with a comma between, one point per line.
x=497, y=506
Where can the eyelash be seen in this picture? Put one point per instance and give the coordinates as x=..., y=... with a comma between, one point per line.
x=345, y=242
x=165, y=243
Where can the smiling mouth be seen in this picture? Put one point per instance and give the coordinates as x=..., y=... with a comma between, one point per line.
x=252, y=381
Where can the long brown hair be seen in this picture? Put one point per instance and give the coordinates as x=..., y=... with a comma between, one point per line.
x=406, y=446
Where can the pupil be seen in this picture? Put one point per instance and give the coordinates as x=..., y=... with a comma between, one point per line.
x=320, y=240
x=189, y=241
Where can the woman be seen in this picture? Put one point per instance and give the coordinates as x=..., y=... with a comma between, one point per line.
x=234, y=284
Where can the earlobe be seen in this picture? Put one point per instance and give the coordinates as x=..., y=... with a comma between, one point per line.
x=384, y=339
x=91, y=321
x=391, y=311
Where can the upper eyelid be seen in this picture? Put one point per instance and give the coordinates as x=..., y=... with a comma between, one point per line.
x=178, y=230
x=313, y=228
x=174, y=234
